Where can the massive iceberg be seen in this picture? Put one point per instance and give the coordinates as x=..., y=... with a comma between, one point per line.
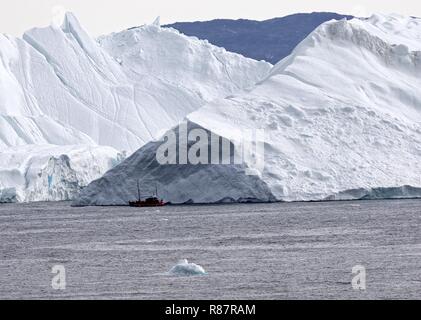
x=82, y=103
x=342, y=120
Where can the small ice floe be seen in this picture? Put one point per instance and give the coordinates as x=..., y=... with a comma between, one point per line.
x=184, y=268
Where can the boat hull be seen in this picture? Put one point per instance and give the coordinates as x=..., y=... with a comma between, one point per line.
x=144, y=205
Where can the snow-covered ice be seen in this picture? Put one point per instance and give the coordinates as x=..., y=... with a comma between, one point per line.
x=341, y=113
x=59, y=87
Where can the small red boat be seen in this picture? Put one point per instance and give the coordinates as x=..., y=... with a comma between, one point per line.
x=153, y=201
x=149, y=202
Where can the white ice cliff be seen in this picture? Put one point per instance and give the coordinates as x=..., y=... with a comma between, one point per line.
x=64, y=93
x=342, y=120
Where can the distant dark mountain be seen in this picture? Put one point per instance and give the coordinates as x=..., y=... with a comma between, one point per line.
x=269, y=40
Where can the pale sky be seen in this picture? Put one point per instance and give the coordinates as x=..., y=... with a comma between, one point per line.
x=105, y=16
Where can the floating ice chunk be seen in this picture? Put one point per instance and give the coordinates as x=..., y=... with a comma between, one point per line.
x=184, y=268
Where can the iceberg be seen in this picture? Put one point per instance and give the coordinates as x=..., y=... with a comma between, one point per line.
x=185, y=268
x=62, y=92
x=341, y=113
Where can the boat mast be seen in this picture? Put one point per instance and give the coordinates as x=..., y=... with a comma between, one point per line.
x=138, y=190
x=156, y=190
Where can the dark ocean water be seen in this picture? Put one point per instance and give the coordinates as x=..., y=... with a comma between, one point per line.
x=250, y=251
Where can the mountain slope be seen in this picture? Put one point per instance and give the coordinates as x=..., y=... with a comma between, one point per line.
x=60, y=87
x=342, y=120
x=269, y=40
